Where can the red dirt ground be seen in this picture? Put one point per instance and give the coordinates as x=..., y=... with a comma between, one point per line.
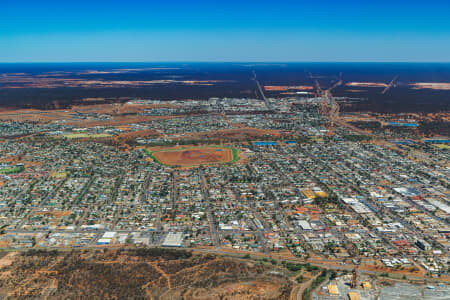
x=191, y=157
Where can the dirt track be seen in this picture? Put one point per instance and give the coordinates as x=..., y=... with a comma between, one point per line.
x=194, y=156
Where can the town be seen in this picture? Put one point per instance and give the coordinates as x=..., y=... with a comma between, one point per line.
x=285, y=186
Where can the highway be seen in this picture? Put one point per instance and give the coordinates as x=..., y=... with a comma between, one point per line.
x=335, y=264
x=332, y=265
x=390, y=85
x=266, y=102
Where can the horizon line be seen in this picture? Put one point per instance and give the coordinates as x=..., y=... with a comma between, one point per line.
x=224, y=62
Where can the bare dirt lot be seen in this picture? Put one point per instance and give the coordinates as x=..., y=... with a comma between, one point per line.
x=194, y=156
x=120, y=115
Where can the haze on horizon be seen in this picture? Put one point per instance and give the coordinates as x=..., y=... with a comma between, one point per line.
x=257, y=31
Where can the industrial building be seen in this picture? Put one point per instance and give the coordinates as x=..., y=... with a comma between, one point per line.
x=173, y=239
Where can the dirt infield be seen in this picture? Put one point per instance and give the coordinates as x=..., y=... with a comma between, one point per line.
x=194, y=156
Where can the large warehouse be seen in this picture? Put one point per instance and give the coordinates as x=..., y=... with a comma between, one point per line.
x=173, y=239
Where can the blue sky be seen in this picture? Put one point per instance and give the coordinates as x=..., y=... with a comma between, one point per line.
x=245, y=30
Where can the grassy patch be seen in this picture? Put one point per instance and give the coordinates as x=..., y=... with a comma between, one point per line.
x=442, y=146
x=13, y=170
x=60, y=175
x=150, y=154
x=235, y=155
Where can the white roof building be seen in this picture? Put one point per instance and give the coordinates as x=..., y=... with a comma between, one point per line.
x=173, y=239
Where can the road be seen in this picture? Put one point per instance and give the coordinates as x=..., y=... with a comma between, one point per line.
x=237, y=254
x=259, y=231
x=174, y=195
x=368, y=203
x=116, y=190
x=85, y=189
x=158, y=220
x=212, y=226
x=43, y=202
x=144, y=194
x=80, y=197
x=427, y=212
x=298, y=293
x=343, y=267
x=143, y=197
x=266, y=102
